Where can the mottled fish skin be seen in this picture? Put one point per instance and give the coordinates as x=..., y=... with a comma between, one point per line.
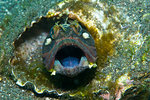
x=65, y=35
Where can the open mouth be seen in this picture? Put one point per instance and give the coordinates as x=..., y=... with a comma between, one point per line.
x=68, y=50
x=70, y=60
x=69, y=56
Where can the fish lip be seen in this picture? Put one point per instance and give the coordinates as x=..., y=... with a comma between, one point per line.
x=72, y=71
x=89, y=51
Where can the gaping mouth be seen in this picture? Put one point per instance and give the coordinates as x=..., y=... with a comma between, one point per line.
x=69, y=56
x=68, y=49
x=71, y=60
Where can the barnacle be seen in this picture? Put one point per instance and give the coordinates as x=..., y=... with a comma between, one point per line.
x=54, y=47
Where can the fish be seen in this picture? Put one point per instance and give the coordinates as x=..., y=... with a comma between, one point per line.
x=69, y=49
x=77, y=49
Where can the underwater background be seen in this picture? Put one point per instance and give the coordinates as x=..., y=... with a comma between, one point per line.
x=131, y=59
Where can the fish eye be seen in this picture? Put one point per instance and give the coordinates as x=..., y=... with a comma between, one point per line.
x=85, y=35
x=48, y=41
x=54, y=31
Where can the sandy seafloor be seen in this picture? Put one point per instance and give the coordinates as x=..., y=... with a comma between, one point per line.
x=10, y=91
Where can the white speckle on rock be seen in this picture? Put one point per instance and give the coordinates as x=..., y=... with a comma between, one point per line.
x=47, y=98
x=61, y=4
